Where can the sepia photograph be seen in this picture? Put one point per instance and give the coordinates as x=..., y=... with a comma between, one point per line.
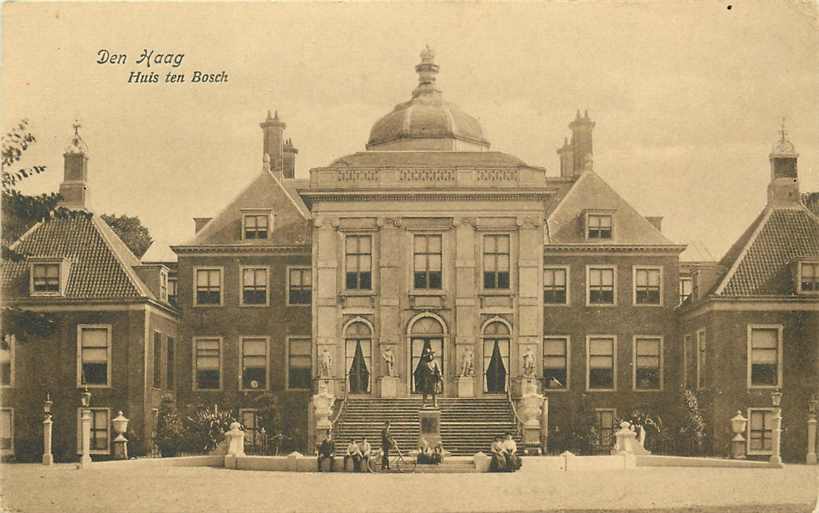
x=405, y=257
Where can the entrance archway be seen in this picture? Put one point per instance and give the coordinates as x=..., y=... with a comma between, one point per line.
x=358, y=356
x=495, y=356
x=426, y=331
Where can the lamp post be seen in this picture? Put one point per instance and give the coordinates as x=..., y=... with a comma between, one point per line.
x=85, y=402
x=776, y=441
x=811, y=457
x=120, y=442
x=48, y=458
x=738, y=425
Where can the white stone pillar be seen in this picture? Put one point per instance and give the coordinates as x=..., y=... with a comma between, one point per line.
x=85, y=458
x=811, y=457
x=48, y=424
x=776, y=454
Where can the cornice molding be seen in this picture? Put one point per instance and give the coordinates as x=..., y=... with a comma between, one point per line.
x=613, y=248
x=234, y=248
x=314, y=196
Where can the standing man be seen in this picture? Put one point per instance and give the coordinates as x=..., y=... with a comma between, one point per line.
x=386, y=445
x=327, y=449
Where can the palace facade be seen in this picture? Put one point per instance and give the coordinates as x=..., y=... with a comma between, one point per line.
x=431, y=239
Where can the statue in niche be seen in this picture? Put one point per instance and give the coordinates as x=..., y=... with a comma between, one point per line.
x=326, y=364
x=529, y=363
x=467, y=364
x=389, y=362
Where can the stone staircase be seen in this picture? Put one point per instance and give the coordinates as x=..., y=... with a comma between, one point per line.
x=467, y=425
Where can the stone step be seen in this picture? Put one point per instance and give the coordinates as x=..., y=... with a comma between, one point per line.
x=446, y=468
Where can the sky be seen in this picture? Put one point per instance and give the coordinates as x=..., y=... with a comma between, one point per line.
x=687, y=96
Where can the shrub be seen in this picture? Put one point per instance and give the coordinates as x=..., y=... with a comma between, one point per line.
x=170, y=432
x=205, y=428
x=692, y=428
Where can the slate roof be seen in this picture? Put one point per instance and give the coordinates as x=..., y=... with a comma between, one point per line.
x=758, y=261
x=99, y=262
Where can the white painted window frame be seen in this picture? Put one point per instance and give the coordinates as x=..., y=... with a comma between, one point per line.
x=194, y=385
x=748, y=450
x=79, y=430
x=287, y=285
x=614, y=363
x=661, y=369
x=568, y=270
x=568, y=341
x=242, y=269
x=779, y=354
x=80, y=328
x=288, y=339
x=634, y=270
x=221, y=270
x=266, y=359
x=589, y=268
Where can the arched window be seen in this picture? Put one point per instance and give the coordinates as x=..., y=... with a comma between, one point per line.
x=426, y=333
x=358, y=357
x=495, y=357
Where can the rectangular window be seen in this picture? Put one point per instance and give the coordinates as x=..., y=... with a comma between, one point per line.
x=601, y=363
x=647, y=286
x=427, y=262
x=100, y=431
x=555, y=285
x=809, y=277
x=605, y=418
x=6, y=431
x=157, y=375
x=760, y=431
x=250, y=421
x=256, y=226
x=7, y=360
x=686, y=287
x=648, y=363
x=45, y=278
x=358, y=262
x=170, y=363
x=556, y=363
x=254, y=363
x=172, y=294
x=701, y=359
x=764, y=347
x=601, y=286
x=208, y=286
x=300, y=286
x=208, y=364
x=299, y=363
x=496, y=262
x=163, y=286
x=94, y=348
x=254, y=285
x=598, y=227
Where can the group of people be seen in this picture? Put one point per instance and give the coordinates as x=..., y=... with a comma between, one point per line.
x=429, y=455
x=357, y=450
x=504, y=454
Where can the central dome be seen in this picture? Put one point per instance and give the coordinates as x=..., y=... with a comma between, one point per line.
x=427, y=121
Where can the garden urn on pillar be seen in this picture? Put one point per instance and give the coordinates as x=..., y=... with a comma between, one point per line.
x=738, y=425
x=48, y=424
x=322, y=410
x=120, y=442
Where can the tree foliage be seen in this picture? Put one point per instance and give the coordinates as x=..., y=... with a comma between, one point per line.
x=132, y=232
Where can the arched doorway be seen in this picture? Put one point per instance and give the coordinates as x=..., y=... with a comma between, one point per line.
x=426, y=331
x=495, y=357
x=358, y=338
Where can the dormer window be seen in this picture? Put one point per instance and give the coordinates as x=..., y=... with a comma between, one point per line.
x=256, y=225
x=599, y=226
x=808, y=277
x=48, y=277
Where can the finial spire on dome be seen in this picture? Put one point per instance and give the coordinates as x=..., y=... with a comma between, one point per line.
x=782, y=132
x=783, y=147
x=76, y=146
x=427, y=71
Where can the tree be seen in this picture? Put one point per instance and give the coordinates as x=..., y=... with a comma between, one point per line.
x=132, y=232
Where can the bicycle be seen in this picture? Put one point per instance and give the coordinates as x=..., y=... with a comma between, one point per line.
x=398, y=462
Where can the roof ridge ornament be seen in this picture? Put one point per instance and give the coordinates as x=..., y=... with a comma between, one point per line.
x=77, y=145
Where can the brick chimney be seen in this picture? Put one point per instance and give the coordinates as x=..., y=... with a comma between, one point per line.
x=566, y=154
x=581, y=141
x=74, y=188
x=289, y=157
x=273, y=144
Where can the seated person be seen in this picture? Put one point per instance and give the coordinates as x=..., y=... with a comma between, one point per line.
x=327, y=449
x=498, y=456
x=424, y=452
x=366, y=451
x=437, y=455
x=355, y=453
x=510, y=448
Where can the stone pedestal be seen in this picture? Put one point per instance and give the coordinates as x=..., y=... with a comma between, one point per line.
x=120, y=447
x=85, y=426
x=811, y=457
x=466, y=386
x=530, y=411
x=430, y=425
x=627, y=442
x=323, y=403
x=235, y=440
x=48, y=458
x=738, y=447
x=776, y=440
x=389, y=387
